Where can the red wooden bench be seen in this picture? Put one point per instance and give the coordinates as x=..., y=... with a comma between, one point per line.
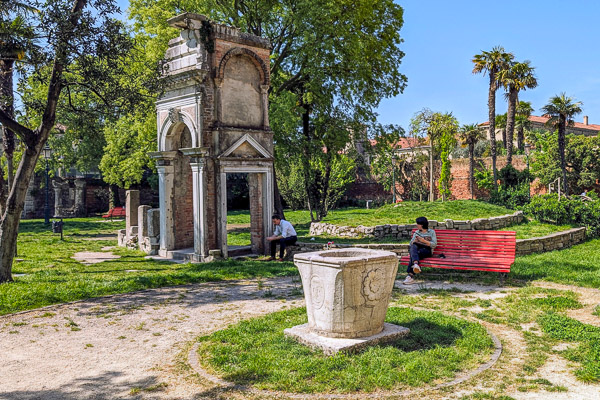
x=116, y=212
x=471, y=250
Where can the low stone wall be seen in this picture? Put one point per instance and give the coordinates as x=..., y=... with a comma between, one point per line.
x=551, y=242
x=555, y=241
x=404, y=231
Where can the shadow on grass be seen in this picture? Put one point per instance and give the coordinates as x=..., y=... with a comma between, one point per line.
x=426, y=335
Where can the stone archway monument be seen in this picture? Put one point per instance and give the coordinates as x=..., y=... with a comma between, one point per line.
x=212, y=120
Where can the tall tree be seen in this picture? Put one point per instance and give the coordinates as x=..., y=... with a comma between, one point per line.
x=81, y=45
x=16, y=35
x=336, y=58
x=491, y=62
x=441, y=130
x=516, y=77
x=469, y=136
x=522, y=123
x=561, y=109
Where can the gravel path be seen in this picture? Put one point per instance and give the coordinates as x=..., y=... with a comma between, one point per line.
x=134, y=346
x=123, y=346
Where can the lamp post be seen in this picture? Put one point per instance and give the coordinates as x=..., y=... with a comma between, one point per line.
x=47, y=153
x=527, y=150
x=394, y=178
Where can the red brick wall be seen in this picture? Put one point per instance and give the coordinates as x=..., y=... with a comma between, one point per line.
x=460, y=174
x=256, y=213
x=183, y=204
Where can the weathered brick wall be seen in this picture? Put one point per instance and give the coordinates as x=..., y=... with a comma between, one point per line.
x=256, y=217
x=183, y=206
x=460, y=174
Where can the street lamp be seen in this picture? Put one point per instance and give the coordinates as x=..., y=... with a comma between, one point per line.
x=527, y=151
x=47, y=153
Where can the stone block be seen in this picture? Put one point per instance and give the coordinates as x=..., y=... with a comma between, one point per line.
x=132, y=202
x=143, y=221
x=153, y=222
x=331, y=346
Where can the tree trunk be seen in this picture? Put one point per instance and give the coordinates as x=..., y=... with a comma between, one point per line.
x=9, y=225
x=7, y=104
x=3, y=192
x=510, y=124
x=492, y=127
x=561, y=151
x=33, y=141
x=324, y=209
x=471, y=167
x=521, y=138
x=278, y=204
x=308, y=181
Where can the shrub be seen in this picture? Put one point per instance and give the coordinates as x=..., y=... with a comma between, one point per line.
x=566, y=211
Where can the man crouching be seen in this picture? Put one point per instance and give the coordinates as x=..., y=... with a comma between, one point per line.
x=284, y=234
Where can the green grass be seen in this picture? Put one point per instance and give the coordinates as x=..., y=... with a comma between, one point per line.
x=535, y=228
x=257, y=353
x=52, y=276
x=578, y=265
x=563, y=328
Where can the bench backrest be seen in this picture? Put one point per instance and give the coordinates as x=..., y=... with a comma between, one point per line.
x=476, y=244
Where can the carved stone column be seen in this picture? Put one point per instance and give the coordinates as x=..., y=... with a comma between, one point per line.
x=79, y=206
x=58, y=187
x=264, y=89
x=166, y=178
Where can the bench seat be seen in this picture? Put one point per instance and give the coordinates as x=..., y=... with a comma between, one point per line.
x=116, y=212
x=492, y=251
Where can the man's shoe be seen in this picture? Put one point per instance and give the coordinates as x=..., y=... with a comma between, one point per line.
x=280, y=259
x=409, y=280
x=416, y=268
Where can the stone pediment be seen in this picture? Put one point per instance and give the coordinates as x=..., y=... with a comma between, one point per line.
x=246, y=147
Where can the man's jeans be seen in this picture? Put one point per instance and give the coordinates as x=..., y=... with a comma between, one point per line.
x=417, y=253
x=283, y=242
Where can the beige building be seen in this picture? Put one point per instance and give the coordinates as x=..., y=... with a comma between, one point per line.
x=578, y=128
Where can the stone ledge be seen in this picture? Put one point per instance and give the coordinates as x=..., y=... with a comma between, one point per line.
x=331, y=346
x=554, y=241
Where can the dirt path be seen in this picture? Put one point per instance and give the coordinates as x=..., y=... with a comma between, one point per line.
x=118, y=346
x=133, y=346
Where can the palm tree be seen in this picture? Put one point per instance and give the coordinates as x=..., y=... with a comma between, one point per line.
x=524, y=110
x=501, y=124
x=518, y=76
x=561, y=110
x=491, y=62
x=470, y=135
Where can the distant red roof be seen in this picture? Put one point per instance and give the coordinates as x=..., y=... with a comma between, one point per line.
x=543, y=120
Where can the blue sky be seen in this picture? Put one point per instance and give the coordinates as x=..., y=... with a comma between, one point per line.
x=560, y=38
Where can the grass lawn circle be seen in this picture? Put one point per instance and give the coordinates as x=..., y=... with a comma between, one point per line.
x=255, y=354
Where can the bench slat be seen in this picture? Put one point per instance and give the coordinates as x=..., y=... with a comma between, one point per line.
x=492, y=251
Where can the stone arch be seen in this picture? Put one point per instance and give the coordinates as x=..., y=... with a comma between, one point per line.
x=170, y=132
x=249, y=54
